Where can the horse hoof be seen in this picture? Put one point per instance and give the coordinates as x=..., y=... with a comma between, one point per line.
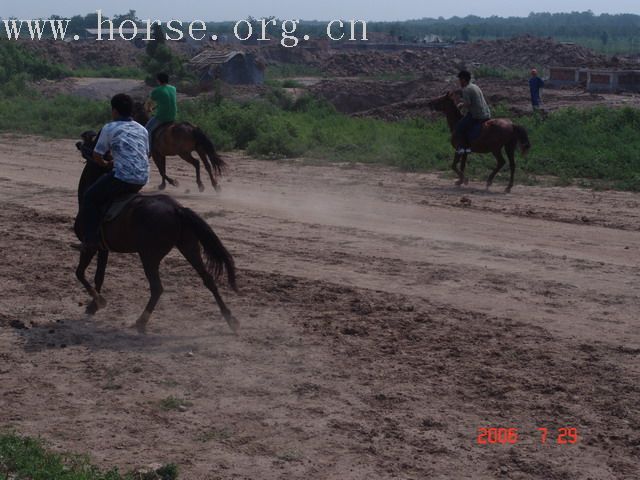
x=458, y=183
x=174, y=183
x=162, y=186
x=507, y=190
x=233, y=323
x=91, y=309
x=141, y=324
x=466, y=181
x=217, y=187
x=201, y=187
x=100, y=302
x=140, y=327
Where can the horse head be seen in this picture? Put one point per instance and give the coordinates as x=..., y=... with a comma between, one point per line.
x=88, y=143
x=140, y=112
x=441, y=103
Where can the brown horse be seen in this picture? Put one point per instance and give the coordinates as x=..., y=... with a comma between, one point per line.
x=151, y=226
x=180, y=139
x=495, y=135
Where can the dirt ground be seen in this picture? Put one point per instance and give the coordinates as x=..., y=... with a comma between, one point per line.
x=384, y=321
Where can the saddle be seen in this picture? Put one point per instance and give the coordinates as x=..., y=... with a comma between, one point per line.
x=476, y=130
x=112, y=212
x=116, y=208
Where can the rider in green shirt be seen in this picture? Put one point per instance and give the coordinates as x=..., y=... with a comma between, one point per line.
x=164, y=95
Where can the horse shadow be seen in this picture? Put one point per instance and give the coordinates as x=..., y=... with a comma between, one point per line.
x=103, y=334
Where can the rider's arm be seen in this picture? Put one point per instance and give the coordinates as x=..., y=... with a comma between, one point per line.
x=464, y=102
x=102, y=148
x=99, y=159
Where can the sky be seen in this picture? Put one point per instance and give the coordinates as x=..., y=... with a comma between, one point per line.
x=308, y=10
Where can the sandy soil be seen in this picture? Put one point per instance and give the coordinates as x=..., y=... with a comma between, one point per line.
x=384, y=321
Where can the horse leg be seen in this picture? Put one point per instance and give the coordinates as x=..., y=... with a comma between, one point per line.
x=187, y=157
x=511, y=155
x=207, y=164
x=463, y=165
x=85, y=260
x=190, y=248
x=103, y=257
x=151, y=266
x=161, y=163
x=454, y=166
x=500, y=164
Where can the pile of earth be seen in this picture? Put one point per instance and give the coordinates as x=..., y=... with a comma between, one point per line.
x=394, y=101
x=96, y=54
x=88, y=53
x=527, y=51
x=516, y=53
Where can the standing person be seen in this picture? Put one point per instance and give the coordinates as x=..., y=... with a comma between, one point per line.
x=128, y=143
x=165, y=98
x=478, y=110
x=535, y=85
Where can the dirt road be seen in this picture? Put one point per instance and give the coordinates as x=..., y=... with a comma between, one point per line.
x=384, y=321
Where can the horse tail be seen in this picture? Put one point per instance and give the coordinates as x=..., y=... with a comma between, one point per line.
x=215, y=161
x=217, y=257
x=523, y=139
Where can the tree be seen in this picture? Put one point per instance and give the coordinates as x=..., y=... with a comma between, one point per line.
x=160, y=58
x=604, y=38
x=159, y=39
x=465, y=33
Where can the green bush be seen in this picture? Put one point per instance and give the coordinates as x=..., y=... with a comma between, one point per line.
x=58, y=117
x=15, y=60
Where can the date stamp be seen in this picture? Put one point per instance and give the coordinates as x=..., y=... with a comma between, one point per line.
x=513, y=436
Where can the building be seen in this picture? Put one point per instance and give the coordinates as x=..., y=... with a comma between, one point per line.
x=235, y=68
x=595, y=80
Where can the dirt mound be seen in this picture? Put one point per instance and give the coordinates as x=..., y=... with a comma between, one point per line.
x=513, y=53
x=527, y=51
x=88, y=54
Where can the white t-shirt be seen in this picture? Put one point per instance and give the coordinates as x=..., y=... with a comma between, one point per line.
x=128, y=142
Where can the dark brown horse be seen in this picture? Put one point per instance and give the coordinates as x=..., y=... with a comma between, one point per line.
x=151, y=226
x=495, y=135
x=180, y=139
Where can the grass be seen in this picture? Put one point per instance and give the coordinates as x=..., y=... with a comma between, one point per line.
x=174, y=403
x=109, y=72
x=219, y=435
x=595, y=147
x=63, y=116
x=23, y=458
x=500, y=72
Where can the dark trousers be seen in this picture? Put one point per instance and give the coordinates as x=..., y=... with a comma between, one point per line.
x=463, y=128
x=97, y=200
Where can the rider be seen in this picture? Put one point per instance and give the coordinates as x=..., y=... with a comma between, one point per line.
x=128, y=143
x=164, y=95
x=477, y=110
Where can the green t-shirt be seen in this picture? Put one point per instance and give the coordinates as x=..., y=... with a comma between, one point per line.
x=166, y=103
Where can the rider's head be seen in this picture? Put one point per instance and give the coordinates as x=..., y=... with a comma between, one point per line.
x=162, y=78
x=465, y=78
x=534, y=72
x=121, y=106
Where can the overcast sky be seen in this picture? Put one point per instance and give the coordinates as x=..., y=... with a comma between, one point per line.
x=308, y=10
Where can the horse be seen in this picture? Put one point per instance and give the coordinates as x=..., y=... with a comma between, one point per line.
x=151, y=226
x=495, y=135
x=180, y=139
